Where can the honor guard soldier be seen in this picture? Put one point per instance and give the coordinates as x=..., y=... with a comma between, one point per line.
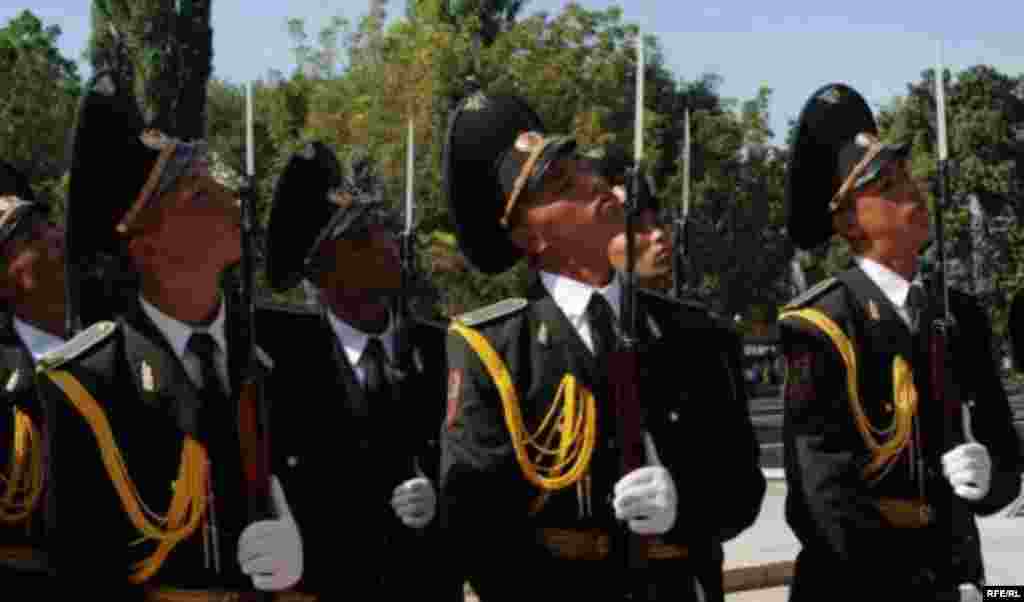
x=145, y=406
x=882, y=502
x=378, y=388
x=531, y=489
x=31, y=324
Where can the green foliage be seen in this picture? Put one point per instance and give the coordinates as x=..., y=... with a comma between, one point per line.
x=37, y=104
x=164, y=51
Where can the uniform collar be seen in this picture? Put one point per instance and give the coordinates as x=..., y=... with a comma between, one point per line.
x=178, y=333
x=37, y=341
x=353, y=340
x=573, y=296
x=894, y=286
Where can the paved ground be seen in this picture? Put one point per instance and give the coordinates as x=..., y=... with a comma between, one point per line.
x=770, y=540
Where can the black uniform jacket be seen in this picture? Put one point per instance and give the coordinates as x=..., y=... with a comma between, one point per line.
x=340, y=463
x=693, y=404
x=18, y=394
x=151, y=405
x=832, y=510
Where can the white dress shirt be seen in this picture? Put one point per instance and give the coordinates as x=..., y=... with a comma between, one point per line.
x=353, y=342
x=178, y=333
x=894, y=286
x=573, y=296
x=38, y=342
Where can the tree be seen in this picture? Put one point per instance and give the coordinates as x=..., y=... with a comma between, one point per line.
x=163, y=48
x=985, y=112
x=37, y=103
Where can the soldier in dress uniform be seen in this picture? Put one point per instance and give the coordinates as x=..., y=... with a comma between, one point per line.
x=532, y=496
x=145, y=407
x=378, y=388
x=31, y=323
x=882, y=504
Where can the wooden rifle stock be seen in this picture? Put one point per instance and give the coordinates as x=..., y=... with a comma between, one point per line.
x=623, y=372
x=252, y=430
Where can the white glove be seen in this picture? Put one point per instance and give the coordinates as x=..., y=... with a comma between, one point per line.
x=270, y=551
x=969, y=470
x=415, y=502
x=969, y=593
x=646, y=497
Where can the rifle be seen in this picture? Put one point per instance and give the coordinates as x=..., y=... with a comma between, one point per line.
x=403, y=315
x=681, y=224
x=623, y=361
x=252, y=431
x=943, y=323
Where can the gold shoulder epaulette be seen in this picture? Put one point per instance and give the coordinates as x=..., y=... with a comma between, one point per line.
x=811, y=294
x=82, y=342
x=489, y=313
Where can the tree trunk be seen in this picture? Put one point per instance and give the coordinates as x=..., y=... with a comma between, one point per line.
x=195, y=37
x=163, y=55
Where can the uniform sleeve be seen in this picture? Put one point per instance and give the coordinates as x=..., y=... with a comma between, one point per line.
x=990, y=414
x=483, y=498
x=85, y=550
x=736, y=501
x=830, y=507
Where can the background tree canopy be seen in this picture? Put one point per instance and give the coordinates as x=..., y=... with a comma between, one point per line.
x=358, y=80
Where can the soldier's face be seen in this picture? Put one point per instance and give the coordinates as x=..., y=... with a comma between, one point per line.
x=365, y=264
x=33, y=261
x=892, y=209
x=200, y=224
x=576, y=213
x=652, y=246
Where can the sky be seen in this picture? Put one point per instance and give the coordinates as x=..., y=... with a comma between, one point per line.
x=793, y=46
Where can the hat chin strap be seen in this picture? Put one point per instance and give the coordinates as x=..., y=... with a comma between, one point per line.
x=873, y=151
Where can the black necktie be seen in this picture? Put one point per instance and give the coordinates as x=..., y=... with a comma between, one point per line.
x=374, y=362
x=218, y=426
x=203, y=345
x=917, y=301
x=602, y=325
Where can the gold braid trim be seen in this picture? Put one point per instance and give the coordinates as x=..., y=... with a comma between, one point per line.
x=188, y=505
x=905, y=399
x=873, y=151
x=576, y=423
x=24, y=479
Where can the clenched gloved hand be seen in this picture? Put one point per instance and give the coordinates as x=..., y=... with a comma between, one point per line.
x=270, y=551
x=415, y=502
x=646, y=497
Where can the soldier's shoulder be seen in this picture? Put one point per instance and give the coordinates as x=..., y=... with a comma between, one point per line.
x=276, y=308
x=272, y=318
x=431, y=324
x=688, y=313
x=815, y=295
x=79, y=348
x=493, y=315
x=657, y=298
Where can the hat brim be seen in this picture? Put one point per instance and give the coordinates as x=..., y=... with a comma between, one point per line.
x=480, y=131
x=299, y=214
x=109, y=167
x=888, y=154
x=834, y=115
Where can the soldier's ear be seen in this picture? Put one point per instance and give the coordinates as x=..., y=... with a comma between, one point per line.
x=8, y=284
x=845, y=222
x=530, y=240
x=142, y=250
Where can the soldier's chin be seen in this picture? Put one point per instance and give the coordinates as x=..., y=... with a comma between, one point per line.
x=645, y=267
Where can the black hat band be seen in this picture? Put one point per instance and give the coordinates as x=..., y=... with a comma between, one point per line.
x=540, y=152
x=856, y=178
x=175, y=159
x=13, y=211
